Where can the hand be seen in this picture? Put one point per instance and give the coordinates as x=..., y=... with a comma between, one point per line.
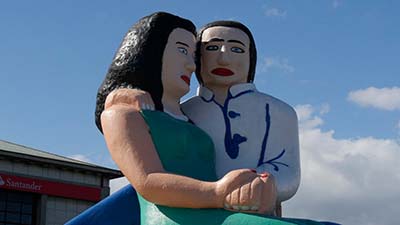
x=136, y=98
x=232, y=181
x=258, y=196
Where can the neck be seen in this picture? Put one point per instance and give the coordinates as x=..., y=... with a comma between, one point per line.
x=172, y=105
x=220, y=92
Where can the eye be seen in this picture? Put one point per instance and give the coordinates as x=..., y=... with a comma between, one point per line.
x=237, y=50
x=183, y=50
x=212, y=48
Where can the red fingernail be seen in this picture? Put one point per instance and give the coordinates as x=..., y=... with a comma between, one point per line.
x=254, y=171
x=264, y=175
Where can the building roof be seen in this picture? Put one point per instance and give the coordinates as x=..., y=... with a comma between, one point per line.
x=22, y=152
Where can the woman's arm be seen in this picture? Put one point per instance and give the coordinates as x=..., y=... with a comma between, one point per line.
x=131, y=147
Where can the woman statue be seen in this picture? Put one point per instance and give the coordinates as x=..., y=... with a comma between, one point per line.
x=168, y=160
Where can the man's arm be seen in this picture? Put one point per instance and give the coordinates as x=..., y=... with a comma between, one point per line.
x=284, y=162
x=135, y=98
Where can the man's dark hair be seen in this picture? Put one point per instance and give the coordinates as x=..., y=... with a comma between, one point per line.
x=138, y=61
x=233, y=24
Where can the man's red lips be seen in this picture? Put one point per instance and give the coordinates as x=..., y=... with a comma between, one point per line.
x=222, y=72
x=186, y=79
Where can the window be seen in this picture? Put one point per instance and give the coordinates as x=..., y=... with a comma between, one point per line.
x=17, y=208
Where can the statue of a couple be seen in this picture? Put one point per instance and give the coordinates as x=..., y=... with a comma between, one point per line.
x=229, y=155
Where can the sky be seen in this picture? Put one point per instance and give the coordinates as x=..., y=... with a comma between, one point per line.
x=335, y=61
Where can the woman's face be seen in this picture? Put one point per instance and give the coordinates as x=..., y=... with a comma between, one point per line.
x=178, y=63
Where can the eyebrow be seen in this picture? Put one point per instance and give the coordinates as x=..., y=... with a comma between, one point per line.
x=220, y=39
x=216, y=39
x=237, y=41
x=178, y=42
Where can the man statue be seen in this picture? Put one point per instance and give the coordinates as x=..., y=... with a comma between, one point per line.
x=250, y=129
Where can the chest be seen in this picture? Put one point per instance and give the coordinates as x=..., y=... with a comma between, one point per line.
x=183, y=148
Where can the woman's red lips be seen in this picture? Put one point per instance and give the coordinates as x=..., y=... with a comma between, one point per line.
x=186, y=79
x=222, y=72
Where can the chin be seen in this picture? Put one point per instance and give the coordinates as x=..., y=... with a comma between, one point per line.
x=186, y=91
x=225, y=81
x=183, y=90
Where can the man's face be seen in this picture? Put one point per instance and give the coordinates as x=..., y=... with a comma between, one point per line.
x=225, y=58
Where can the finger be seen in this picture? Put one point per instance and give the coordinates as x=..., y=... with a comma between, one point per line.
x=245, y=176
x=119, y=96
x=227, y=203
x=264, y=176
x=234, y=201
x=245, y=196
x=256, y=192
x=149, y=105
x=269, y=196
x=149, y=101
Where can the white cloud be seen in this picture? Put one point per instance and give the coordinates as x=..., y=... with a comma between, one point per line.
x=325, y=108
x=351, y=181
x=381, y=98
x=304, y=112
x=275, y=12
x=116, y=184
x=276, y=63
x=307, y=119
x=80, y=157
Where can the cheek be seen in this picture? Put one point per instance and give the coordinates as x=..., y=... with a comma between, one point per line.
x=207, y=58
x=205, y=66
x=242, y=63
x=204, y=72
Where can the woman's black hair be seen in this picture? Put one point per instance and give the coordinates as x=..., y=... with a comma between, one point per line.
x=138, y=61
x=234, y=24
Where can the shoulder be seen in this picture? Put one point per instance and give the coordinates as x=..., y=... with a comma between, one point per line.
x=192, y=102
x=275, y=104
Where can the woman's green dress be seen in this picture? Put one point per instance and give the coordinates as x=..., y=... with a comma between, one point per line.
x=186, y=150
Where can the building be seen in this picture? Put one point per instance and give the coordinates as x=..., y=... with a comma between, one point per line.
x=41, y=188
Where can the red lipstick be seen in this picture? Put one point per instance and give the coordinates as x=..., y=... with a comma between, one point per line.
x=222, y=72
x=186, y=79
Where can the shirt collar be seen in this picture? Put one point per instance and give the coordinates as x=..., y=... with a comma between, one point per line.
x=234, y=90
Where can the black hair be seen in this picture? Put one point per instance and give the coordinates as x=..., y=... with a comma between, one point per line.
x=234, y=24
x=138, y=61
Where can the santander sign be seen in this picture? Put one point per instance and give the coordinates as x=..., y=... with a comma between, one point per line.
x=29, y=186
x=49, y=187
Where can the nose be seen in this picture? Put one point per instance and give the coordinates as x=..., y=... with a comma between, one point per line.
x=190, y=65
x=223, y=57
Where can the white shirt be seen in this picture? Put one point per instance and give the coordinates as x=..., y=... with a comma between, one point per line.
x=251, y=130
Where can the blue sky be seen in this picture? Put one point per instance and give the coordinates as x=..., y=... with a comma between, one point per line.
x=335, y=61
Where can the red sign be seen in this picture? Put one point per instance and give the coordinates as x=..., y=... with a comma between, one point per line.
x=49, y=188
